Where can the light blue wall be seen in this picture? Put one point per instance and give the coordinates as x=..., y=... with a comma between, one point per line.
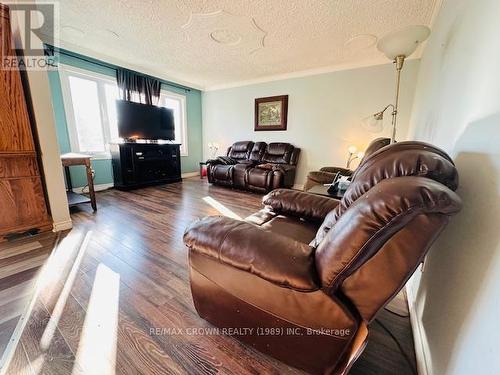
x=103, y=169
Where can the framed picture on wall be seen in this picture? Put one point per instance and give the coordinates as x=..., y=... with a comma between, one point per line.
x=271, y=113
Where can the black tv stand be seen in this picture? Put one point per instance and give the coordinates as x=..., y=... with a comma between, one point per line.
x=143, y=164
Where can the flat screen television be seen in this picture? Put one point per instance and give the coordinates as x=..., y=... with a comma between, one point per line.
x=143, y=121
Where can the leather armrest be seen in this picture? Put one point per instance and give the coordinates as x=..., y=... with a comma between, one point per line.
x=300, y=204
x=277, y=167
x=268, y=166
x=213, y=161
x=273, y=257
x=321, y=177
x=342, y=171
x=284, y=167
x=246, y=162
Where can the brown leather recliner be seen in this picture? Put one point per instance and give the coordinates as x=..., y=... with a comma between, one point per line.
x=308, y=274
x=220, y=170
x=326, y=174
x=258, y=167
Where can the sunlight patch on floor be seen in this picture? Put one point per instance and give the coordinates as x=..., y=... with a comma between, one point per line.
x=221, y=208
x=36, y=365
x=97, y=347
x=61, y=301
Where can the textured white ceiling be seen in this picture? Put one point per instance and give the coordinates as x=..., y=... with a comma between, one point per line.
x=214, y=43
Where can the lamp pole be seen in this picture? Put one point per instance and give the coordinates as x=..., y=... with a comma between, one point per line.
x=399, y=61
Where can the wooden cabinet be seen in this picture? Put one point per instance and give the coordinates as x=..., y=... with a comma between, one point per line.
x=22, y=200
x=142, y=164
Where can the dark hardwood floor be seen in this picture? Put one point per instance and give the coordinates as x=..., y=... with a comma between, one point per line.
x=111, y=292
x=20, y=263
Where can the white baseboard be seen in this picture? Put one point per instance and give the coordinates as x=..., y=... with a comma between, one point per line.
x=62, y=225
x=298, y=187
x=98, y=187
x=190, y=174
x=101, y=187
x=418, y=338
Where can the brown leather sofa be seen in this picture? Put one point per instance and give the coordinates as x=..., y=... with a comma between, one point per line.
x=258, y=166
x=307, y=274
x=326, y=174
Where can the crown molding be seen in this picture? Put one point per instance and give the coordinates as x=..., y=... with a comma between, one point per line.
x=438, y=5
x=138, y=68
x=234, y=84
x=303, y=73
x=435, y=12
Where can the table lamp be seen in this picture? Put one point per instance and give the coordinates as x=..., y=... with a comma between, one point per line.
x=353, y=155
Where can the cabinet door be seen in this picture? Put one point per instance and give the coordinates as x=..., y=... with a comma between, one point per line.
x=176, y=161
x=23, y=204
x=15, y=128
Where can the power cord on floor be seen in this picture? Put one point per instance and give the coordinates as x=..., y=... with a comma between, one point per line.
x=402, y=351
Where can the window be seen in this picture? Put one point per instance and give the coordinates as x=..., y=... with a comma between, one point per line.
x=89, y=102
x=177, y=103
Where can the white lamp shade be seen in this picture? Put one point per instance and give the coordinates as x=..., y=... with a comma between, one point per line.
x=373, y=125
x=403, y=42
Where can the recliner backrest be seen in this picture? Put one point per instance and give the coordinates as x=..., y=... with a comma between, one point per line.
x=294, y=159
x=257, y=151
x=396, y=160
x=375, y=145
x=378, y=242
x=278, y=153
x=394, y=163
x=398, y=147
x=240, y=150
x=409, y=145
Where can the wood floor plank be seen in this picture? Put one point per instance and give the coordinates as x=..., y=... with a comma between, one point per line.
x=14, y=308
x=6, y=330
x=18, y=278
x=20, y=364
x=18, y=275
x=19, y=249
x=17, y=266
x=136, y=350
x=129, y=276
x=16, y=291
x=52, y=357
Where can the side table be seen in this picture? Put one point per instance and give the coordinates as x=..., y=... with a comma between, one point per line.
x=68, y=160
x=323, y=190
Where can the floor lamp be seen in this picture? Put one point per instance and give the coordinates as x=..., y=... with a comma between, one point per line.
x=396, y=46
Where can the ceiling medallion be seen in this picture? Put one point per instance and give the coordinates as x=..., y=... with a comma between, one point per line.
x=360, y=42
x=226, y=29
x=224, y=36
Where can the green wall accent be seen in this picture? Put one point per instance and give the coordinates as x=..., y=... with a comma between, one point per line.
x=102, y=167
